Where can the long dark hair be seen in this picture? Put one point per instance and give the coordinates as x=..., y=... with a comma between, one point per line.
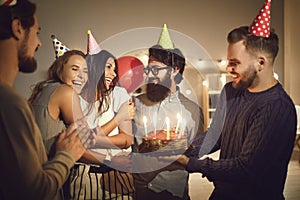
x=54, y=72
x=95, y=88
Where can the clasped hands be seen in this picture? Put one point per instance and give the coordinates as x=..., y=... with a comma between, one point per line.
x=88, y=136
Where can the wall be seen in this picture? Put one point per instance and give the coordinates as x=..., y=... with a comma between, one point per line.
x=292, y=48
x=205, y=22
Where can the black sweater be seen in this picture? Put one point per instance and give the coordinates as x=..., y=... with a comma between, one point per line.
x=256, y=144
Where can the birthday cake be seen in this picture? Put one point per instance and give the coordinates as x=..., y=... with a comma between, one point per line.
x=159, y=143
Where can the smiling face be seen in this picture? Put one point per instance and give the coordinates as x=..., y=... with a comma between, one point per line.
x=241, y=66
x=110, y=73
x=161, y=69
x=159, y=83
x=74, y=72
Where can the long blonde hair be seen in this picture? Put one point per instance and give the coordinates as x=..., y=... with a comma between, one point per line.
x=54, y=72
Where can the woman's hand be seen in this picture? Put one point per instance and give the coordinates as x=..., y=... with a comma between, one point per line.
x=86, y=134
x=126, y=112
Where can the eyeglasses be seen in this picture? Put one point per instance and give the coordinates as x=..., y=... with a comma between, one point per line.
x=155, y=69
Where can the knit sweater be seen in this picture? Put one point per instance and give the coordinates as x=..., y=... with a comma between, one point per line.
x=256, y=143
x=26, y=173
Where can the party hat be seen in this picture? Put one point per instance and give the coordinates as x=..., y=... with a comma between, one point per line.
x=59, y=47
x=261, y=25
x=7, y=2
x=92, y=47
x=165, y=39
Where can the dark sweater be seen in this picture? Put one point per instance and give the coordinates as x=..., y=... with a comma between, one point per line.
x=256, y=144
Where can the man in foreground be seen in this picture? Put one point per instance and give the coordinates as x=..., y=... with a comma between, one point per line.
x=26, y=172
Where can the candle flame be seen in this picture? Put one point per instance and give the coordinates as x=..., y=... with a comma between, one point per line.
x=178, y=122
x=168, y=127
x=145, y=119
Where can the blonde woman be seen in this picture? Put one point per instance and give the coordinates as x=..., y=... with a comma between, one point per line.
x=55, y=103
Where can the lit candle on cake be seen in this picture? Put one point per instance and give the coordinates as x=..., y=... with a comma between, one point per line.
x=154, y=123
x=183, y=125
x=145, y=125
x=168, y=127
x=178, y=122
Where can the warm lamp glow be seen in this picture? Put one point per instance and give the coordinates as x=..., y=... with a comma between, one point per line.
x=276, y=76
x=205, y=83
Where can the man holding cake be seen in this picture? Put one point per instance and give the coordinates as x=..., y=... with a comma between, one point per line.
x=165, y=124
x=258, y=135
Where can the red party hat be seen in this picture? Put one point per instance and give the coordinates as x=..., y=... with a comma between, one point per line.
x=7, y=2
x=261, y=25
x=59, y=47
x=92, y=47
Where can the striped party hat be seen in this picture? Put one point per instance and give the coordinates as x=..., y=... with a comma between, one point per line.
x=7, y=2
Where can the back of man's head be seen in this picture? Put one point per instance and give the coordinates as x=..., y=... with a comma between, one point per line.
x=253, y=43
x=22, y=10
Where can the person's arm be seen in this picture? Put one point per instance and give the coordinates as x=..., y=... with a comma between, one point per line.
x=269, y=142
x=210, y=143
x=122, y=120
x=70, y=109
x=122, y=140
x=91, y=157
x=197, y=138
x=67, y=102
x=107, y=128
x=23, y=157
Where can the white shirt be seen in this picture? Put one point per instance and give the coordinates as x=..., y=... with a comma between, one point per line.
x=118, y=96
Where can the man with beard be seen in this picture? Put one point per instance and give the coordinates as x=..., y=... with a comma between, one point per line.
x=30, y=175
x=154, y=178
x=259, y=127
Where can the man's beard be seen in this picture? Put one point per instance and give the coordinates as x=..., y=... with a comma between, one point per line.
x=158, y=92
x=26, y=64
x=247, y=82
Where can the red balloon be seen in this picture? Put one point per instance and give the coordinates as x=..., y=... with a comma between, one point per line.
x=131, y=72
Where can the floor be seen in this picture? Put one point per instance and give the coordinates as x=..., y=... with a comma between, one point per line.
x=200, y=188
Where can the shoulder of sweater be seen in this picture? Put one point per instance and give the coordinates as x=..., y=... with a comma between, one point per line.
x=185, y=99
x=192, y=106
x=11, y=96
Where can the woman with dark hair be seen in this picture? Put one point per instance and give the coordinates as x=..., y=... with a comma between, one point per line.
x=56, y=104
x=101, y=98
